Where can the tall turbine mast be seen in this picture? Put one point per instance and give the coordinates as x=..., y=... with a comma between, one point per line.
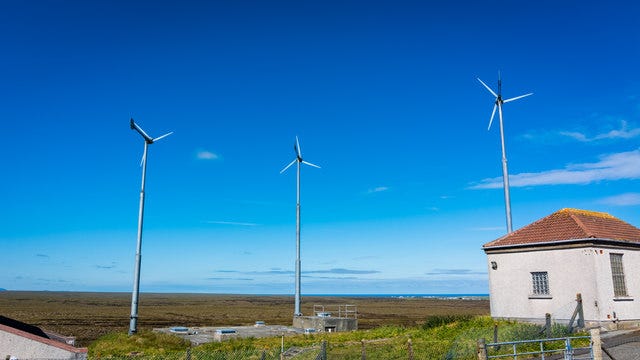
x=505, y=173
x=148, y=140
x=299, y=160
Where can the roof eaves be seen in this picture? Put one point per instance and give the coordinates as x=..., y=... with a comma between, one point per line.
x=561, y=242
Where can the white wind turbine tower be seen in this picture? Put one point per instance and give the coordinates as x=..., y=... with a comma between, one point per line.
x=505, y=173
x=148, y=140
x=300, y=161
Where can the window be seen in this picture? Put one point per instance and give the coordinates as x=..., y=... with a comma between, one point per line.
x=540, y=283
x=617, y=273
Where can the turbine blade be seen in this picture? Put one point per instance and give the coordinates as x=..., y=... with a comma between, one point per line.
x=288, y=166
x=297, y=147
x=488, y=88
x=310, y=164
x=493, y=113
x=163, y=136
x=518, y=97
x=143, y=158
x=137, y=128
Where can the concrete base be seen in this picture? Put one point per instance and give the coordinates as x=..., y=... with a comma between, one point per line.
x=325, y=323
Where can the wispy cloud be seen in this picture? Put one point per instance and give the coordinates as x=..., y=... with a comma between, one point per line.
x=278, y=271
x=621, y=130
x=113, y=265
x=366, y=257
x=234, y=223
x=42, y=256
x=455, y=272
x=342, y=271
x=616, y=166
x=331, y=277
x=624, y=132
x=377, y=189
x=627, y=199
x=206, y=155
x=226, y=279
x=267, y=272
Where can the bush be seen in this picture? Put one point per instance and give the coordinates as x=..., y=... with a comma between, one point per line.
x=441, y=320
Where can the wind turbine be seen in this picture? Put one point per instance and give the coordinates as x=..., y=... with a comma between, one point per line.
x=300, y=161
x=148, y=140
x=505, y=173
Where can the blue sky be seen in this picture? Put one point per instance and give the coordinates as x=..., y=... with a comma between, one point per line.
x=383, y=96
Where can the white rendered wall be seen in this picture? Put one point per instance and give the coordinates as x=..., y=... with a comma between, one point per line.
x=571, y=271
x=609, y=307
x=24, y=348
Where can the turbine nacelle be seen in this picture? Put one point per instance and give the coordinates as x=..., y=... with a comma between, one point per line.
x=499, y=101
x=148, y=139
x=298, y=159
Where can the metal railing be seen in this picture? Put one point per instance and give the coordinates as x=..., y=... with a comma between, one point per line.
x=544, y=349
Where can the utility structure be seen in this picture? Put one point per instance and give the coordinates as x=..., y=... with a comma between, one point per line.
x=148, y=140
x=300, y=161
x=505, y=172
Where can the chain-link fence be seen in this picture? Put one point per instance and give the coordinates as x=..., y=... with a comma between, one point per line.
x=380, y=349
x=195, y=354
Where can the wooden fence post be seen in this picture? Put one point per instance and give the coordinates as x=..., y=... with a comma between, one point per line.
x=324, y=349
x=547, y=325
x=364, y=351
x=596, y=344
x=580, y=311
x=482, y=349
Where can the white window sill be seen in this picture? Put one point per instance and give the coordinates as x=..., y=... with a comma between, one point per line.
x=540, y=297
x=623, y=298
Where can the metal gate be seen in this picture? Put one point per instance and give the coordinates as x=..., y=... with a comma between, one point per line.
x=545, y=349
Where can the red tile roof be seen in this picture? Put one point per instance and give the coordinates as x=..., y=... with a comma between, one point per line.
x=570, y=224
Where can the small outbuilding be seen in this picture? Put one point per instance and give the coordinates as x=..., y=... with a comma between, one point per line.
x=541, y=268
x=342, y=318
x=23, y=341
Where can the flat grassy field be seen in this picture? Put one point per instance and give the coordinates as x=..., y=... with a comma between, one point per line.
x=88, y=316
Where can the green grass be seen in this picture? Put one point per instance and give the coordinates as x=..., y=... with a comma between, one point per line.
x=145, y=343
x=442, y=337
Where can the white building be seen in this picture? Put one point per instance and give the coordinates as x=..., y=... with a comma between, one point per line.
x=541, y=267
x=22, y=341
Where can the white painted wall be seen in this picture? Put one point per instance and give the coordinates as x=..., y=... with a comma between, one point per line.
x=571, y=271
x=24, y=348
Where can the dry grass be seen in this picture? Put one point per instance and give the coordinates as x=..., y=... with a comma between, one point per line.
x=91, y=315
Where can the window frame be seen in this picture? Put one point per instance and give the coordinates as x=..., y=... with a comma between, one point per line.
x=540, y=288
x=618, y=279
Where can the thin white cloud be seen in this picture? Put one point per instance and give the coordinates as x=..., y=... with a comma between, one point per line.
x=455, y=272
x=236, y=223
x=627, y=199
x=623, y=133
x=615, y=166
x=206, y=155
x=377, y=189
